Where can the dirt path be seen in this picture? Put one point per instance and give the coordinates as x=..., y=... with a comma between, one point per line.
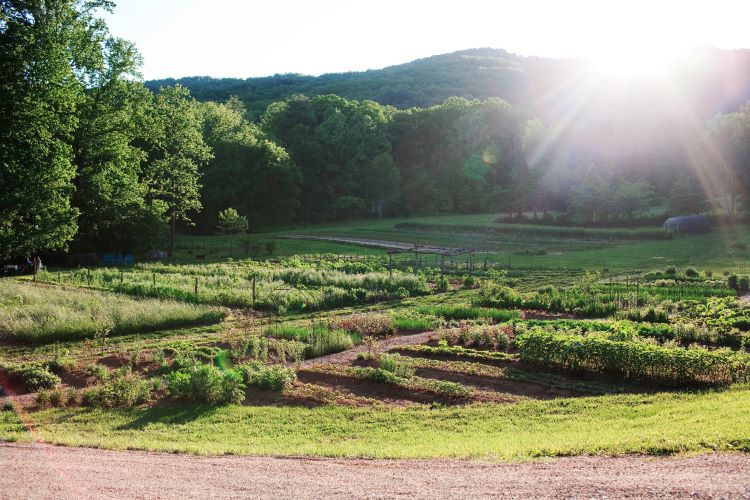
x=42, y=471
x=380, y=346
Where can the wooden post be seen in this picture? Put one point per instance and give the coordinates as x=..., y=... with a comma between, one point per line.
x=153, y=276
x=59, y=277
x=485, y=263
x=442, y=264
x=122, y=275
x=390, y=266
x=253, y=302
x=196, y=287
x=471, y=263
x=416, y=259
x=88, y=276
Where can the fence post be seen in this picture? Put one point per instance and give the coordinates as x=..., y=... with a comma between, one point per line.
x=122, y=275
x=253, y=303
x=59, y=277
x=88, y=276
x=153, y=276
x=196, y=287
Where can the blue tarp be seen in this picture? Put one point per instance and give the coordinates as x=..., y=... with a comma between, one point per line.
x=117, y=259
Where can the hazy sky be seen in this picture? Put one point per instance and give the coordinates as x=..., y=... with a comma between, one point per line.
x=256, y=38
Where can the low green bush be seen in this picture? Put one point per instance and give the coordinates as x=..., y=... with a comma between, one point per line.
x=123, y=390
x=397, y=365
x=34, y=376
x=267, y=378
x=206, y=384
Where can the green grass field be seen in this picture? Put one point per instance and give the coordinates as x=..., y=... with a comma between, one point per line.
x=654, y=424
x=716, y=251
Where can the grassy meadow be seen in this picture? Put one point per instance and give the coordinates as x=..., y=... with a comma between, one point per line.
x=37, y=314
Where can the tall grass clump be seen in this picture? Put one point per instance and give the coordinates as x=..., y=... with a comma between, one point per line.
x=35, y=314
x=318, y=338
x=469, y=312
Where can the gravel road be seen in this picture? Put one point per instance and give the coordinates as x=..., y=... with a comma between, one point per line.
x=43, y=471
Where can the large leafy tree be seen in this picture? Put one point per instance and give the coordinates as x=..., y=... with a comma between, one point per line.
x=333, y=140
x=249, y=171
x=726, y=171
x=686, y=198
x=384, y=182
x=176, y=150
x=47, y=47
x=110, y=190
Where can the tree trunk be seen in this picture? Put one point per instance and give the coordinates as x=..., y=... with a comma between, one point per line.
x=172, y=225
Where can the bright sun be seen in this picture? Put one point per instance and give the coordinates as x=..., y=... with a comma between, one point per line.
x=636, y=59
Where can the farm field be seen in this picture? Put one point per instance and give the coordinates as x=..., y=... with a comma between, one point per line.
x=348, y=356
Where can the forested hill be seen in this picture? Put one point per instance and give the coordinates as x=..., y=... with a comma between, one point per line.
x=719, y=82
x=475, y=73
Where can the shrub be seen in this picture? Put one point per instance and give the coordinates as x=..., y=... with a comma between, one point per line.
x=41, y=399
x=99, y=372
x=691, y=272
x=733, y=282
x=8, y=405
x=743, y=283
x=671, y=271
x=36, y=378
x=268, y=378
x=397, y=365
x=123, y=390
x=470, y=282
x=483, y=337
x=442, y=285
x=206, y=384
x=56, y=398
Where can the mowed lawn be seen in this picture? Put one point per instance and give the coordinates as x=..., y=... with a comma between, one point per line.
x=635, y=423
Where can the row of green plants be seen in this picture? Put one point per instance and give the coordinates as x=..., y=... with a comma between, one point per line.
x=268, y=288
x=465, y=311
x=443, y=349
x=398, y=370
x=631, y=359
x=682, y=331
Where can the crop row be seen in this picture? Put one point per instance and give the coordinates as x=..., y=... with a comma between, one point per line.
x=638, y=361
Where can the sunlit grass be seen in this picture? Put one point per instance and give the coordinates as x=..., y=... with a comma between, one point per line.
x=43, y=314
x=654, y=424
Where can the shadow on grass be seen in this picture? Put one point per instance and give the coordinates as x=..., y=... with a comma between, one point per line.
x=169, y=414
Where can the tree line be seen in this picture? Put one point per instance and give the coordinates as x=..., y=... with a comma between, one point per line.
x=91, y=159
